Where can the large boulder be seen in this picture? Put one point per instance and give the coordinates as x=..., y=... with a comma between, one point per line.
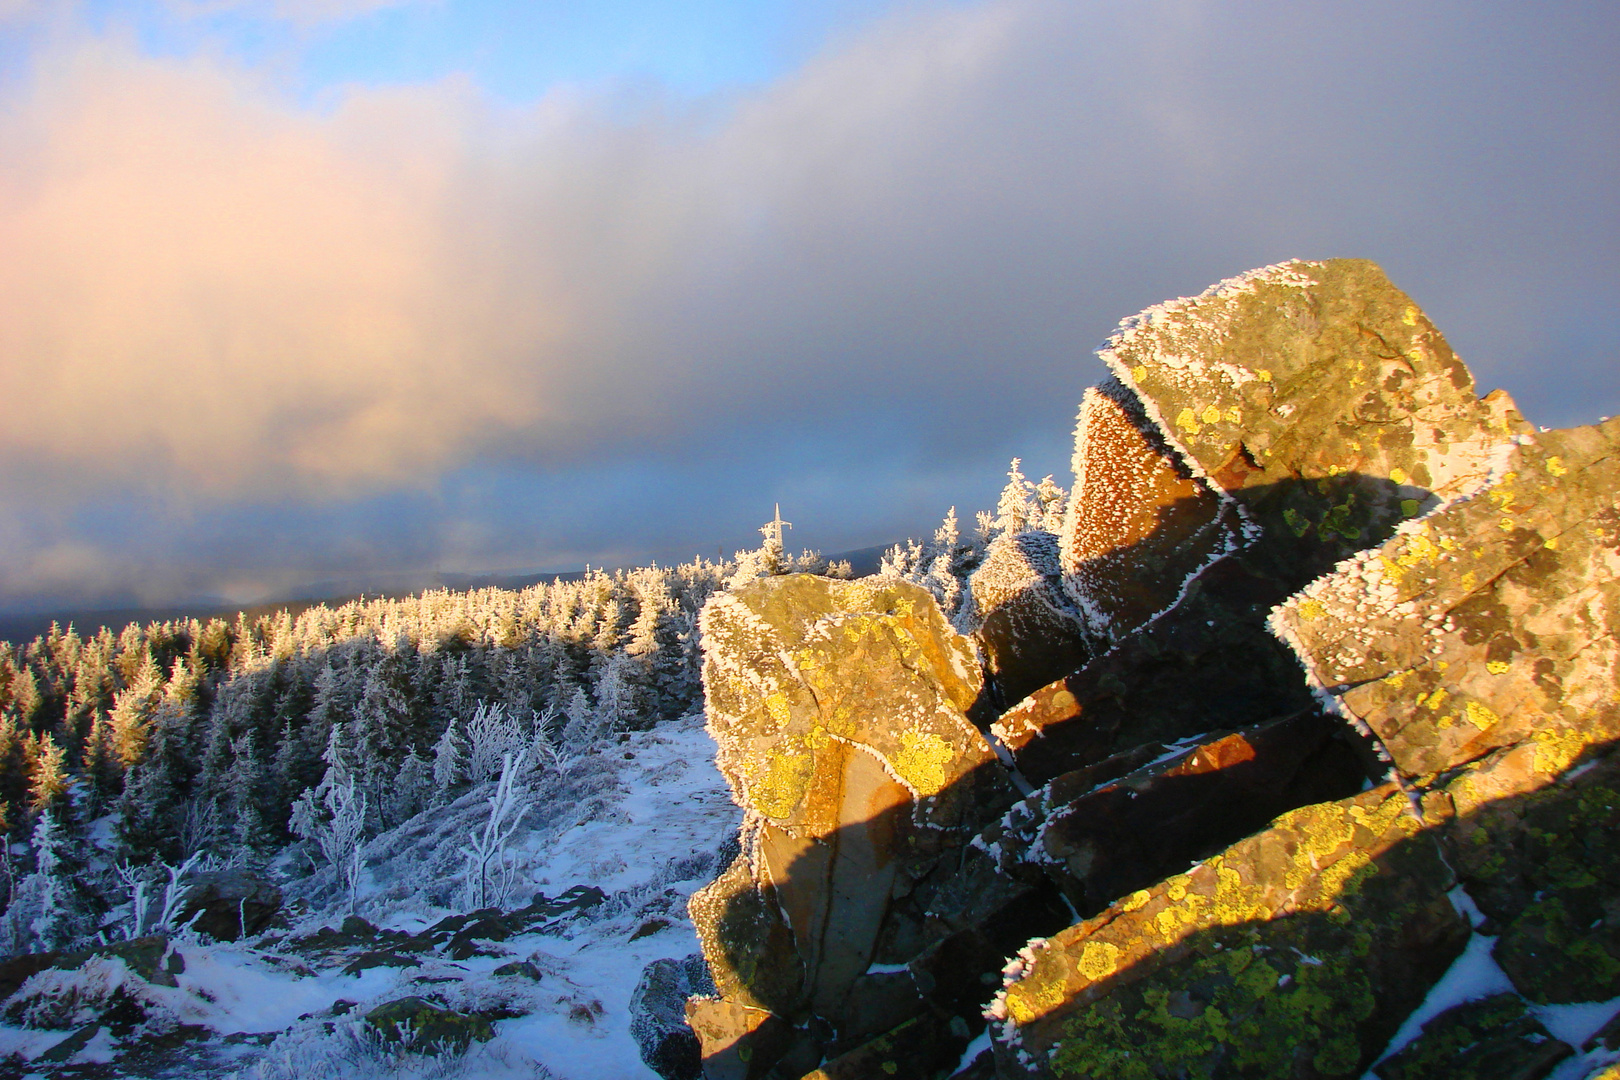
x=1319, y=397
x=423, y=1027
x=1302, y=553
x=840, y=711
x=229, y=904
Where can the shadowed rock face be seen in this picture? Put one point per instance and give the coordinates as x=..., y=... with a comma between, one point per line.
x=1099, y=841
x=1291, y=511
x=1139, y=523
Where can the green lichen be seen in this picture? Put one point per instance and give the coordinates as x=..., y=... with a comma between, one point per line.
x=1247, y=1011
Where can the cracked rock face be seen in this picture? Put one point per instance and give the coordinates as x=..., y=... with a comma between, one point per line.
x=1298, y=541
x=1491, y=624
x=840, y=712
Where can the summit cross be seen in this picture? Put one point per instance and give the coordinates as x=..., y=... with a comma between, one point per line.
x=773, y=528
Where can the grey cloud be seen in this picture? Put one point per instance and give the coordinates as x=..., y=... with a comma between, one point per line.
x=907, y=248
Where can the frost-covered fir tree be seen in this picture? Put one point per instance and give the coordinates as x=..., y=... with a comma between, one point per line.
x=449, y=760
x=412, y=790
x=46, y=897
x=1018, y=508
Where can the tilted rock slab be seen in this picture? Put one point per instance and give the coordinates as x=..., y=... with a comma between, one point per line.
x=1322, y=409
x=839, y=709
x=1293, y=955
x=1482, y=647
x=1493, y=623
x=1318, y=394
x=1139, y=523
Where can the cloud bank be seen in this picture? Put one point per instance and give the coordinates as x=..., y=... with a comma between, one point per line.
x=882, y=272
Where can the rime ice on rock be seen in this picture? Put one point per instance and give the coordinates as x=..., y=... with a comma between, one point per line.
x=1320, y=407
x=839, y=709
x=1318, y=395
x=1024, y=621
x=1139, y=524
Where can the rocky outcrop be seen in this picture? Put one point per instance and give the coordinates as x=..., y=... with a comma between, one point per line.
x=1139, y=523
x=1344, y=642
x=229, y=904
x=840, y=713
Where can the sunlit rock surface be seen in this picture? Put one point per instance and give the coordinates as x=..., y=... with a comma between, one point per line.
x=1293, y=954
x=840, y=712
x=1350, y=654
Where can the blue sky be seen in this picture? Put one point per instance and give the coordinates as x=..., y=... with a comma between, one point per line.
x=513, y=50
x=301, y=289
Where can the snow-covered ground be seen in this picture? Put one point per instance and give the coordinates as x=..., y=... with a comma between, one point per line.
x=651, y=830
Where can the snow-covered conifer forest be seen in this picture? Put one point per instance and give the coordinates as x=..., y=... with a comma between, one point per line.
x=251, y=848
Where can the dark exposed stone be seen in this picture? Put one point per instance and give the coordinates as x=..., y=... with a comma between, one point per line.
x=1101, y=841
x=668, y=1045
x=229, y=904
x=427, y=1028
x=379, y=958
x=919, y=1049
x=1490, y=1039
x=70, y=1045
x=17, y=970
x=1208, y=665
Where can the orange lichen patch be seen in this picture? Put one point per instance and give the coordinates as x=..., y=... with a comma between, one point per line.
x=1140, y=524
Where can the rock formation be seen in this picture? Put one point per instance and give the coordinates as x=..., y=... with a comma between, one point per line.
x=1343, y=692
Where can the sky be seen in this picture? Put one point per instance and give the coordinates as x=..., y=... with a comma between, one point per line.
x=298, y=290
